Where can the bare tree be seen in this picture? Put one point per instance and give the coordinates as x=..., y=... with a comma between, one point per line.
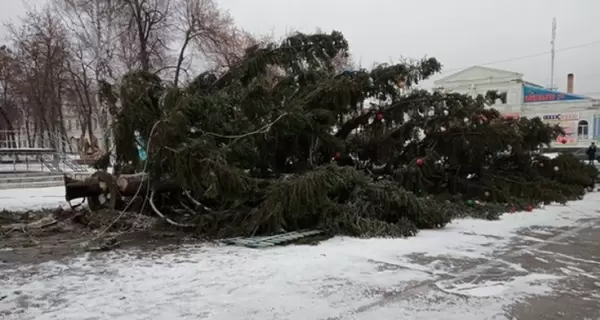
x=227, y=53
x=40, y=44
x=146, y=23
x=210, y=31
x=110, y=38
x=8, y=109
x=81, y=95
x=92, y=35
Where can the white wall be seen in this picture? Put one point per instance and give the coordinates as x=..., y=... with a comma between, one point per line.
x=583, y=110
x=580, y=113
x=514, y=92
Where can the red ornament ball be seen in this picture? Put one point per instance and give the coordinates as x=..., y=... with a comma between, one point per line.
x=563, y=141
x=379, y=116
x=513, y=209
x=529, y=208
x=420, y=162
x=337, y=155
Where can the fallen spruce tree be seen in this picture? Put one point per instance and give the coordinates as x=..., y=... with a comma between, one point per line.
x=281, y=141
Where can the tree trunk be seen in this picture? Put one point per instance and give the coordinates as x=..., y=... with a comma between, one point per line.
x=181, y=57
x=10, y=137
x=127, y=186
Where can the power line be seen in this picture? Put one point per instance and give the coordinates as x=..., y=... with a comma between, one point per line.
x=529, y=56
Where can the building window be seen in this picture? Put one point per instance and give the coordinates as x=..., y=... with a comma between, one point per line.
x=582, y=129
x=596, y=126
x=69, y=125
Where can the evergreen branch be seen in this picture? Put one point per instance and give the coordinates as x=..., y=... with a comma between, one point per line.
x=263, y=129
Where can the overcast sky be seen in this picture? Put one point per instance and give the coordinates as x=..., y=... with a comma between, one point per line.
x=460, y=33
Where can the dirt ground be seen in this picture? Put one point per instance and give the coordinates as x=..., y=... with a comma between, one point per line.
x=40, y=236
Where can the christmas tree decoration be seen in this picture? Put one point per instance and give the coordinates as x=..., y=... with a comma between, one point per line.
x=470, y=203
x=420, y=162
x=487, y=193
x=556, y=168
x=513, y=209
x=337, y=155
x=563, y=140
x=529, y=208
x=541, y=164
x=379, y=116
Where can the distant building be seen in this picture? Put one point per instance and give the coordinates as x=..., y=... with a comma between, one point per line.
x=578, y=115
x=73, y=130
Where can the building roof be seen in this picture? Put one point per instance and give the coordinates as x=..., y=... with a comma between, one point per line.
x=481, y=73
x=476, y=70
x=531, y=84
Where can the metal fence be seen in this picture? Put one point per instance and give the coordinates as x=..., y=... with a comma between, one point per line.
x=21, y=140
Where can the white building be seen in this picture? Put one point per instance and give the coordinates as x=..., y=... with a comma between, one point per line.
x=578, y=115
x=73, y=129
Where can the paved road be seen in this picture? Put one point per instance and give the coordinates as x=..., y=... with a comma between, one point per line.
x=567, y=258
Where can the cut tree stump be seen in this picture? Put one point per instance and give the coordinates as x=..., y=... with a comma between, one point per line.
x=105, y=191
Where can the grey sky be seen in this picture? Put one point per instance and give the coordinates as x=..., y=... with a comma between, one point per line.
x=12, y=9
x=459, y=33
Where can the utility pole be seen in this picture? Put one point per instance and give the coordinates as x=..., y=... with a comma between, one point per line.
x=552, y=53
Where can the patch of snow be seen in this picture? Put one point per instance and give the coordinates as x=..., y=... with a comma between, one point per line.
x=485, y=301
x=336, y=277
x=303, y=282
x=32, y=199
x=520, y=284
x=541, y=260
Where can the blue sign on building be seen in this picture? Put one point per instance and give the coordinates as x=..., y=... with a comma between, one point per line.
x=535, y=94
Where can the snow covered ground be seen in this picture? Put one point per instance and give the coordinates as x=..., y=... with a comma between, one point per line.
x=32, y=199
x=473, y=269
